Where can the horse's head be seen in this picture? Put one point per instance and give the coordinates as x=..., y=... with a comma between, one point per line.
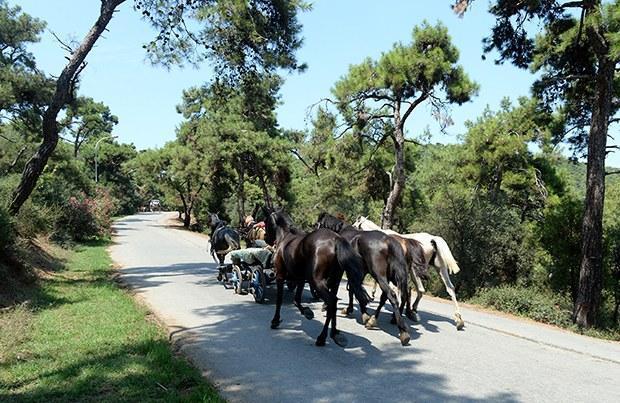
x=213, y=219
x=328, y=221
x=276, y=223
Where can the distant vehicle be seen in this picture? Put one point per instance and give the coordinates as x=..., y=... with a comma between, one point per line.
x=154, y=205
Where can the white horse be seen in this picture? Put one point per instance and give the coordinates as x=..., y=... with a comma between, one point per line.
x=437, y=254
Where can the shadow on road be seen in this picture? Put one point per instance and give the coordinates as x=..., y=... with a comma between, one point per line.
x=243, y=347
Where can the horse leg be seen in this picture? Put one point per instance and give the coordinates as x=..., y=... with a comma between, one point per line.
x=412, y=313
x=404, y=301
x=275, y=322
x=372, y=320
x=443, y=273
x=324, y=293
x=349, y=309
x=304, y=310
x=403, y=332
x=374, y=291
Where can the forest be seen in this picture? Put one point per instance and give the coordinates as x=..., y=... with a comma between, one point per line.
x=524, y=199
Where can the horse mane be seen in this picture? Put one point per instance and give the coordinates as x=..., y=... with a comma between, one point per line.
x=285, y=221
x=330, y=222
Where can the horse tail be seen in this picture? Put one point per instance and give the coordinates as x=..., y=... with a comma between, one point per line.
x=353, y=265
x=398, y=266
x=415, y=254
x=233, y=242
x=445, y=255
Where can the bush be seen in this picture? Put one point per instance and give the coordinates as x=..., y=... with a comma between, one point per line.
x=528, y=302
x=83, y=218
x=35, y=219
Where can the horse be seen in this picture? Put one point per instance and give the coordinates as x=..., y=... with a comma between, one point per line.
x=223, y=238
x=385, y=261
x=319, y=257
x=438, y=255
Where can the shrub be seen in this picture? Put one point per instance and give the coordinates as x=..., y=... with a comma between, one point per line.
x=83, y=218
x=529, y=302
x=35, y=219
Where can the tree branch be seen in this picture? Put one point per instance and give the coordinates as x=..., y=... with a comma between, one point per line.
x=411, y=107
x=303, y=161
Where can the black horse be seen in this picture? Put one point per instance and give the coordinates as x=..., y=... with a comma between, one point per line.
x=223, y=238
x=320, y=257
x=385, y=260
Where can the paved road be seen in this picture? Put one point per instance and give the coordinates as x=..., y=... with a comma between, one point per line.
x=228, y=337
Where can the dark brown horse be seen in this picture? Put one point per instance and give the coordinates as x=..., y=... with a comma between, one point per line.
x=385, y=260
x=319, y=257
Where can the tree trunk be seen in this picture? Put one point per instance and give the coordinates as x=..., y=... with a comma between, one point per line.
x=187, y=219
x=398, y=176
x=241, y=196
x=64, y=86
x=266, y=195
x=591, y=271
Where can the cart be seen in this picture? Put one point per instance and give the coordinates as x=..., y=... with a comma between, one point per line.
x=251, y=271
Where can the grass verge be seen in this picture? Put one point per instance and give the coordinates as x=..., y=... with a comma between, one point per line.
x=539, y=306
x=79, y=337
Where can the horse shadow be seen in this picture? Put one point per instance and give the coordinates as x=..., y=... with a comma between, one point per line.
x=249, y=361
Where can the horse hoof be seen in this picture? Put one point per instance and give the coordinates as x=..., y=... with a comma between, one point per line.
x=404, y=338
x=372, y=322
x=345, y=311
x=365, y=318
x=308, y=313
x=275, y=324
x=340, y=340
x=412, y=316
x=320, y=342
x=460, y=324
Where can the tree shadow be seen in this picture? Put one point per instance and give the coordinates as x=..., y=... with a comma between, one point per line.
x=251, y=362
x=140, y=371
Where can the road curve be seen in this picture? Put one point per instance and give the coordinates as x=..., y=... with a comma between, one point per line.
x=227, y=336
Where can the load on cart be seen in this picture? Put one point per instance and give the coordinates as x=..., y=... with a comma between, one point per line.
x=250, y=271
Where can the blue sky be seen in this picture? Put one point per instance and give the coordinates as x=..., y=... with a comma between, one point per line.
x=336, y=34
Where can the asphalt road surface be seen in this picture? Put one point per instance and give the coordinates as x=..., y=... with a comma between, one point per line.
x=496, y=357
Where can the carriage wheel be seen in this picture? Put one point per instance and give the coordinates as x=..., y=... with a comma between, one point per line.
x=258, y=285
x=237, y=284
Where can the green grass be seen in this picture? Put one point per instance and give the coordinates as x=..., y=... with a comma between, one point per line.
x=82, y=338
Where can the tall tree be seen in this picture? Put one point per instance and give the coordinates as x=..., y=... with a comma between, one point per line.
x=240, y=37
x=65, y=85
x=86, y=119
x=578, y=60
x=381, y=95
x=23, y=88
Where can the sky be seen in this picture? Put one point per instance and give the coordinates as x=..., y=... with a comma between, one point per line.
x=337, y=34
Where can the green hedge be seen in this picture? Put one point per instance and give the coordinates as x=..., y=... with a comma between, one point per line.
x=529, y=302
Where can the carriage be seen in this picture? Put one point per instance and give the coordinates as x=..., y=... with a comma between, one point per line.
x=250, y=272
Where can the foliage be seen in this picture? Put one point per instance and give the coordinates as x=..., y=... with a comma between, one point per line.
x=529, y=302
x=376, y=98
x=23, y=88
x=239, y=36
x=86, y=119
x=83, y=218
